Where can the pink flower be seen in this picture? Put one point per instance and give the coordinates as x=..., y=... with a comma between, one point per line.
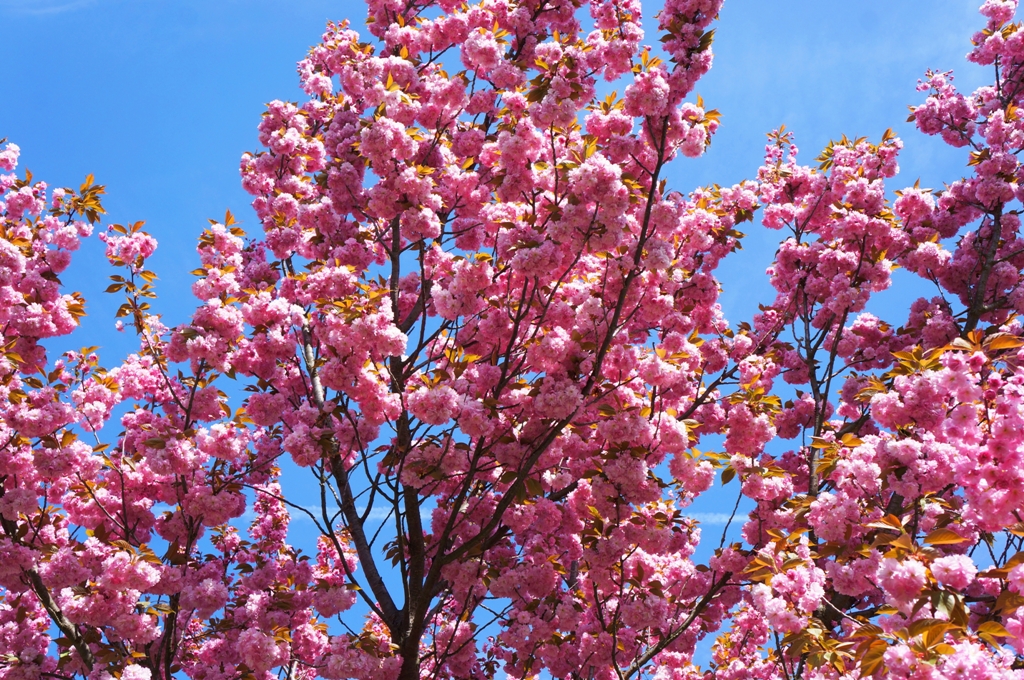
x=130, y=249
x=954, y=571
x=481, y=51
x=136, y=672
x=205, y=597
x=647, y=95
x=421, y=223
x=999, y=11
x=386, y=139
x=9, y=157
x=260, y=651
x=433, y=405
x=557, y=399
x=902, y=581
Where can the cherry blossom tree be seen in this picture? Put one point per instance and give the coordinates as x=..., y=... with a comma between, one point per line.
x=485, y=332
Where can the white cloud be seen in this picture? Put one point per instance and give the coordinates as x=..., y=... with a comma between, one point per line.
x=711, y=518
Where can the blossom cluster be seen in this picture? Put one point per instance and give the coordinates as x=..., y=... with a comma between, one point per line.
x=868, y=532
